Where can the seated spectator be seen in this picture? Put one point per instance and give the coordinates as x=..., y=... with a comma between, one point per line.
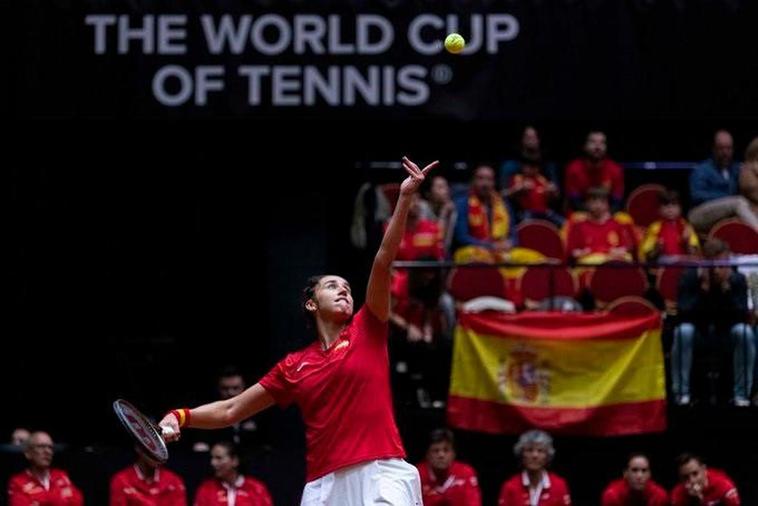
x=699, y=485
x=594, y=170
x=529, y=147
x=246, y=434
x=444, y=480
x=636, y=488
x=596, y=236
x=714, y=187
x=228, y=486
x=147, y=483
x=416, y=292
x=484, y=228
x=40, y=484
x=713, y=305
x=439, y=207
x=533, y=193
x=20, y=436
x=749, y=175
x=535, y=485
x=671, y=236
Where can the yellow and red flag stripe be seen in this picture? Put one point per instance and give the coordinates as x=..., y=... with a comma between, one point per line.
x=569, y=373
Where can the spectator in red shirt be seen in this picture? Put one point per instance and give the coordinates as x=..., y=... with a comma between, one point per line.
x=636, y=488
x=444, y=480
x=146, y=483
x=533, y=192
x=671, y=236
x=40, y=484
x=597, y=236
x=535, y=485
x=592, y=170
x=340, y=383
x=229, y=487
x=699, y=485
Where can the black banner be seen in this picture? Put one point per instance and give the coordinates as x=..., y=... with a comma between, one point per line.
x=567, y=59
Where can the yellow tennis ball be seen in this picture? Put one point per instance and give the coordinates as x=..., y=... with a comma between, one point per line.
x=454, y=43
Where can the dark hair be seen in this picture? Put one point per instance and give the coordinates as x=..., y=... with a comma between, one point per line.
x=441, y=436
x=228, y=371
x=714, y=247
x=684, y=458
x=308, y=292
x=230, y=448
x=668, y=197
x=597, y=192
x=635, y=455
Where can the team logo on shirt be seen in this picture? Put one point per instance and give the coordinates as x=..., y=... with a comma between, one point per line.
x=341, y=345
x=524, y=377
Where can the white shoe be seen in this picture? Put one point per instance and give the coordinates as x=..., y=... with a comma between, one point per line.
x=741, y=402
x=683, y=400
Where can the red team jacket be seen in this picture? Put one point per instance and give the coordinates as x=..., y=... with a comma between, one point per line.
x=24, y=489
x=461, y=487
x=246, y=492
x=720, y=491
x=618, y=493
x=554, y=491
x=130, y=488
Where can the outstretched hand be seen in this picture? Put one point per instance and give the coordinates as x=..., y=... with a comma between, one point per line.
x=170, y=430
x=415, y=177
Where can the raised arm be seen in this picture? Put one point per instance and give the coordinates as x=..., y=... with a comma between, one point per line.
x=378, y=291
x=220, y=414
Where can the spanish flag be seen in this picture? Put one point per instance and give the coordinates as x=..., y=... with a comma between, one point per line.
x=580, y=374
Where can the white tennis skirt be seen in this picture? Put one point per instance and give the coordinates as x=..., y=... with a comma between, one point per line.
x=384, y=481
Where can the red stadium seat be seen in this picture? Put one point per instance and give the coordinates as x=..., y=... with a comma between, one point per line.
x=741, y=237
x=631, y=306
x=540, y=283
x=608, y=283
x=468, y=283
x=542, y=236
x=643, y=204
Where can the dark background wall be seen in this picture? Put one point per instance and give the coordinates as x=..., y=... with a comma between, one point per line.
x=148, y=247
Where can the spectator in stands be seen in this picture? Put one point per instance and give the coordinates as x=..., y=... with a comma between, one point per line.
x=593, y=170
x=229, y=487
x=438, y=206
x=671, y=236
x=416, y=292
x=699, y=485
x=533, y=192
x=530, y=148
x=20, y=436
x=636, y=488
x=40, y=483
x=597, y=236
x=714, y=187
x=749, y=175
x=146, y=483
x=245, y=434
x=534, y=485
x=444, y=480
x=713, y=304
x=484, y=228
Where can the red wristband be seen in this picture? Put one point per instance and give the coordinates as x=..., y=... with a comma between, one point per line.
x=182, y=416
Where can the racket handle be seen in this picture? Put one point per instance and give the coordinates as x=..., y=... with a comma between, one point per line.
x=167, y=431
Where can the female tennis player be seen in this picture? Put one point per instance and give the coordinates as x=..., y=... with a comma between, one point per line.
x=341, y=384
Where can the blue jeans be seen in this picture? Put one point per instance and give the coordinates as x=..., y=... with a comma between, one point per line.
x=743, y=342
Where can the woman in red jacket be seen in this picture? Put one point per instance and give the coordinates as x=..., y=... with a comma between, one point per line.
x=228, y=487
